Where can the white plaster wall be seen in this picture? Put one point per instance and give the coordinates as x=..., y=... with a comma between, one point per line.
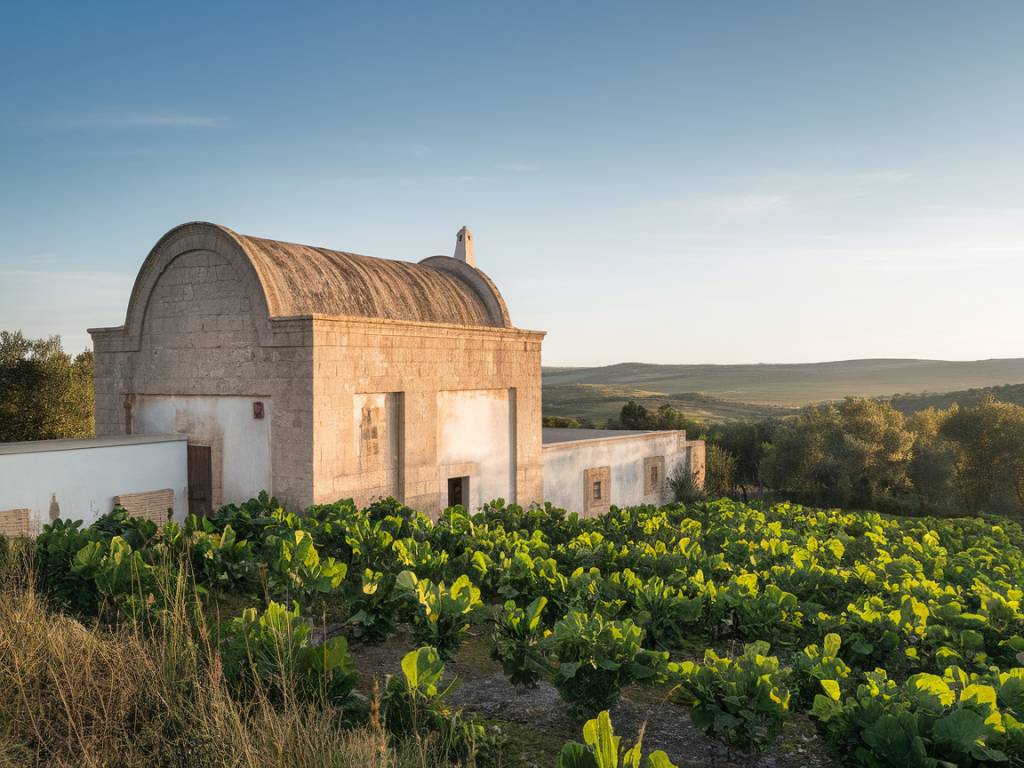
x=564, y=464
x=240, y=443
x=474, y=438
x=85, y=481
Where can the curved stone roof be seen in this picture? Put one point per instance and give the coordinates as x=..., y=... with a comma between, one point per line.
x=305, y=280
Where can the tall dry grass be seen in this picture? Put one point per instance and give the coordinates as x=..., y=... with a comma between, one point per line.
x=73, y=696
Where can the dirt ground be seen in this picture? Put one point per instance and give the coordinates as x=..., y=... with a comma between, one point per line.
x=537, y=722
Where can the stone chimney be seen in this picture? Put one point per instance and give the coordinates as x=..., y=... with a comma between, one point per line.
x=464, y=247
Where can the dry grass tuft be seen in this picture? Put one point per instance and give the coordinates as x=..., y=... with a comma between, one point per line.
x=90, y=697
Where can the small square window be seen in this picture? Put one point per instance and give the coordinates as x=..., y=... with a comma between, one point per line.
x=597, y=491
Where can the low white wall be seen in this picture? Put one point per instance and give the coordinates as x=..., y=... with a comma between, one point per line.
x=565, y=463
x=84, y=476
x=474, y=439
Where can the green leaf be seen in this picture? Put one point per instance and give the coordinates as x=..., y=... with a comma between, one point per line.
x=959, y=730
x=601, y=738
x=832, y=689
x=575, y=755
x=832, y=644
x=659, y=759
x=423, y=669
x=930, y=691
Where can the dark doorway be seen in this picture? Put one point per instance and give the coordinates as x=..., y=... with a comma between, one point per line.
x=458, y=491
x=200, y=481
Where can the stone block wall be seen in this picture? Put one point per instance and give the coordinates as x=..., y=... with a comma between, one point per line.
x=199, y=325
x=202, y=334
x=16, y=523
x=354, y=357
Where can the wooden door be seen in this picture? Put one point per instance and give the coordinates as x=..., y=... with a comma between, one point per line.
x=200, y=480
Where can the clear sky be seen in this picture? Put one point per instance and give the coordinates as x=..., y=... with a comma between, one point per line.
x=662, y=182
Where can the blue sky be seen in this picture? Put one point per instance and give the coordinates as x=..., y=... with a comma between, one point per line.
x=665, y=182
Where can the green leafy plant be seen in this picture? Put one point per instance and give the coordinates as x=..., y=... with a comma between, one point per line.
x=273, y=652
x=442, y=615
x=221, y=559
x=414, y=703
x=376, y=606
x=56, y=548
x=517, y=636
x=602, y=750
x=592, y=658
x=296, y=570
x=124, y=581
x=954, y=721
x=742, y=701
x=137, y=531
x=817, y=664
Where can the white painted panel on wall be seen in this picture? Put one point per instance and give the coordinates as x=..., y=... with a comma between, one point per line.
x=240, y=442
x=474, y=439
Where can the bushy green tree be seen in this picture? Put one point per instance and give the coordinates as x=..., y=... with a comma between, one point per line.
x=990, y=462
x=747, y=441
x=45, y=393
x=851, y=453
x=634, y=416
x=563, y=422
x=719, y=472
x=932, y=468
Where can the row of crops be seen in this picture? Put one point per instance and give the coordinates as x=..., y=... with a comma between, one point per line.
x=903, y=639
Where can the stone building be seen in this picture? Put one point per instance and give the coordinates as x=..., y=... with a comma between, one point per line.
x=319, y=374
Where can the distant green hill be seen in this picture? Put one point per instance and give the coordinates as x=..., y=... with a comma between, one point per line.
x=600, y=403
x=728, y=392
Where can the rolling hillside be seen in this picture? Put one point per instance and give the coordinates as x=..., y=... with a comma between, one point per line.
x=728, y=392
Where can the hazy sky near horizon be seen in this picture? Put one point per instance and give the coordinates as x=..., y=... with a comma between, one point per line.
x=713, y=182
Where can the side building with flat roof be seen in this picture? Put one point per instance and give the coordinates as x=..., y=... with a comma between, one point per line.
x=589, y=470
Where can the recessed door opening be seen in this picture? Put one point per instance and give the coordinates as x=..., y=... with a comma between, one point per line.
x=458, y=491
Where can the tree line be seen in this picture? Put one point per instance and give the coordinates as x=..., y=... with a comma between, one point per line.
x=45, y=393
x=864, y=453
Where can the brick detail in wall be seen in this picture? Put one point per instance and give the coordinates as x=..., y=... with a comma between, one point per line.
x=151, y=505
x=15, y=523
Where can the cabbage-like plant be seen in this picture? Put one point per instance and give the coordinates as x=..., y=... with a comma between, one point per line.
x=953, y=720
x=742, y=701
x=602, y=749
x=816, y=664
x=376, y=606
x=442, y=614
x=517, y=636
x=296, y=569
x=123, y=579
x=591, y=659
x=272, y=652
x=414, y=704
x=221, y=559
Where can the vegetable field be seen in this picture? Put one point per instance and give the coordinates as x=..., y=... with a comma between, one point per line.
x=901, y=639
